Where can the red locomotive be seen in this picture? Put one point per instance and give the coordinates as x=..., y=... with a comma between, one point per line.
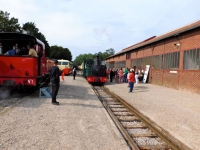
x=22, y=70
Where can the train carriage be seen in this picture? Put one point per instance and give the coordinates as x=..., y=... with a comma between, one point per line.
x=22, y=69
x=66, y=66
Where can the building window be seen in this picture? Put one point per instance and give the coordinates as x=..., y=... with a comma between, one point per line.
x=146, y=61
x=138, y=63
x=120, y=64
x=191, y=59
x=171, y=60
x=128, y=55
x=157, y=62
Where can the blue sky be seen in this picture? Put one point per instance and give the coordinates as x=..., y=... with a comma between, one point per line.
x=91, y=26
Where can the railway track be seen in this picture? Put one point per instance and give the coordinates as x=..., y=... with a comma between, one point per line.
x=139, y=132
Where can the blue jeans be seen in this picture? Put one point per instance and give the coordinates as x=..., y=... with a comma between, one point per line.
x=131, y=84
x=125, y=77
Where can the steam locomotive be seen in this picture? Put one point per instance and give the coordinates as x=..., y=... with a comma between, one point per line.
x=94, y=72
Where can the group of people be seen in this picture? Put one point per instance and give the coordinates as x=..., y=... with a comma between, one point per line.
x=17, y=51
x=124, y=75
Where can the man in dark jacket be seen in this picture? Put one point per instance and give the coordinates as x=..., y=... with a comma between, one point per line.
x=55, y=81
x=112, y=74
x=74, y=73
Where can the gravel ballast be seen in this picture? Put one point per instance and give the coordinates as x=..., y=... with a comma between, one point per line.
x=80, y=122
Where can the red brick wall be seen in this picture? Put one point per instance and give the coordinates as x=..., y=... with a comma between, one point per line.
x=170, y=79
x=155, y=76
x=120, y=58
x=128, y=63
x=147, y=51
x=190, y=80
x=159, y=48
x=190, y=40
x=139, y=54
x=133, y=55
x=169, y=45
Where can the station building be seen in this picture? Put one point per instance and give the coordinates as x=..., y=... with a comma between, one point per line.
x=173, y=58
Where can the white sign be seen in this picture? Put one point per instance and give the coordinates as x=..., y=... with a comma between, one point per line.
x=173, y=71
x=146, y=72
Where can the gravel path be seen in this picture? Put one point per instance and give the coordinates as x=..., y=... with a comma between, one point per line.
x=79, y=123
x=178, y=112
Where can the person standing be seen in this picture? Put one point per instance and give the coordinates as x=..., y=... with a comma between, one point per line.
x=121, y=75
x=131, y=80
x=74, y=73
x=55, y=81
x=136, y=76
x=125, y=74
x=111, y=75
x=108, y=73
x=128, y=77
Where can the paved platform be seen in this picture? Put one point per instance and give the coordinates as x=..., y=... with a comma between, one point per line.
x=79, y=123
x=178, y=112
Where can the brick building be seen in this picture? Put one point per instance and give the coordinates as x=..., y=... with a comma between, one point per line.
x=173, y=58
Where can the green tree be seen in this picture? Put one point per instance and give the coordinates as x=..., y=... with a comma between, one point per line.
x=31, y=29
x=69, y=55
x=58, y=52
x=107, y=53
x=79, y=59
x=102, y=56
x=8, y=25
x=110, y=51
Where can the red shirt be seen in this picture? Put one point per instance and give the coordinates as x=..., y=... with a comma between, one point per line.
x=131, y=77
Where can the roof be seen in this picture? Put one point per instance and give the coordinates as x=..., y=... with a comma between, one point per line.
x=19, y=36
x=159, y=38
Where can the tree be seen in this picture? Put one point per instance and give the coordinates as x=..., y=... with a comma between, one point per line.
x=69, y=55
x=8, y=25
x=58, y=52
x=81, y=58
x=102, y=56
x=110, y=51
x=31, y=29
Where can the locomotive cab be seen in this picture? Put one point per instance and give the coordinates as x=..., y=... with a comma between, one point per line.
x=20, y=68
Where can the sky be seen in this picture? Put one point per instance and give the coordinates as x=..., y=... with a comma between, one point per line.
x=92, y=26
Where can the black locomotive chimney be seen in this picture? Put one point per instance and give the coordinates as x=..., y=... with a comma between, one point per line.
x=98, y=61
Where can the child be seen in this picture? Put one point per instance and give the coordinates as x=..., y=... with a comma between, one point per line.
x=131, y=80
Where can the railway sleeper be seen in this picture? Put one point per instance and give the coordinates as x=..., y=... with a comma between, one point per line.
x=124, y=119
x=113, y=103
x=134, y=126
x=116, y=106
x=123, y=114
x=159, y=147
x=120, y=111
x=151, y=135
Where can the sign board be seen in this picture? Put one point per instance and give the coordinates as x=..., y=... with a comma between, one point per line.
x=173, y=71
x=146, y=72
